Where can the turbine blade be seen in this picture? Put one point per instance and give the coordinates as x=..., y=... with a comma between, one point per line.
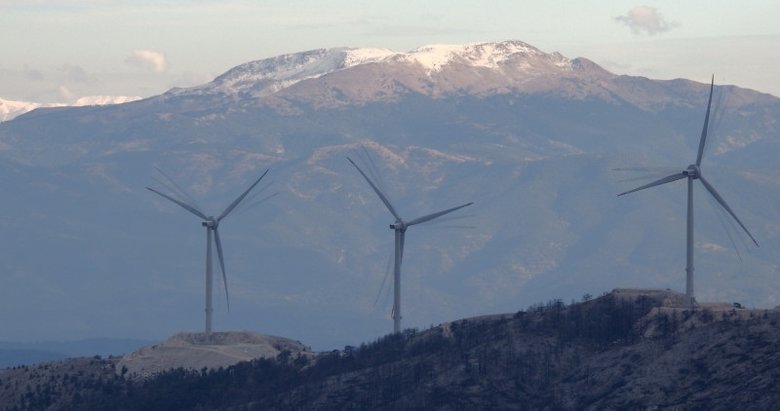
x=643, y=173
x=667, y=179
x=722, y=202
x=241, y=197
x=724, y=222
x=257, y=203
x=373, y=170
x=456, y=217
x=430, y=217
x=377, y=191
x=171, y=184
x=222, y=265
x=384, y=280
x=257, y=192
x=703, y=138
x=182, y=204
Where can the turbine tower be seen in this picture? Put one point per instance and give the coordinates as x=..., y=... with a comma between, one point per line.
x=400, y=226
x=693, y=172
x=211, y=224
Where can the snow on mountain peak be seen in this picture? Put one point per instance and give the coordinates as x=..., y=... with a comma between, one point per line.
x=263, y=77
x=433, y=57
x=9, y=109
x=104, y=100
x=488, y=55
x=359, y=56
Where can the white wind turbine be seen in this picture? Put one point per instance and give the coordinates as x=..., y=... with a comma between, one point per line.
x=693, y=172
x=211, y=224
x=400, y=226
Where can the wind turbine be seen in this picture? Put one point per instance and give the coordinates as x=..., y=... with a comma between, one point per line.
x=212, y=235
x=693, y=172
x=400, y=226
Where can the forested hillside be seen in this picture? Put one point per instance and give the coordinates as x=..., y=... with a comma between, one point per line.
x=615, y=351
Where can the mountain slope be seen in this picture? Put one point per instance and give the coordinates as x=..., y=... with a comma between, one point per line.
x=531, y=137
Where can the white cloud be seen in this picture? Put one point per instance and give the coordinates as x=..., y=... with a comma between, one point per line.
x=148, y=60
x=646, y=19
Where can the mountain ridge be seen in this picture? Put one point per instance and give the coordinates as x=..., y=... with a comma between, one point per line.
x=264, y=77
x=10, y=109
x=343, y=77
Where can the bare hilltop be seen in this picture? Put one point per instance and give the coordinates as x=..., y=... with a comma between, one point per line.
x=196, y=351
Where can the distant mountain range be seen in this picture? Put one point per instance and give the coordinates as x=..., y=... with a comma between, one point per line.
x=531, y=137
x=10, y=109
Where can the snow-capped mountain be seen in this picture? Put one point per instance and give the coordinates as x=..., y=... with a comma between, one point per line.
x=10, y=109
x=103, y=100
x=263, y=77
x=438, y=68
x=529, y=136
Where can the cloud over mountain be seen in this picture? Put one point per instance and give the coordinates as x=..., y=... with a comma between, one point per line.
x=148, y=60
x=646, y=19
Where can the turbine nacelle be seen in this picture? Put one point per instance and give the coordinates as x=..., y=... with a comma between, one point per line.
x=693, y=171
x=399, y=225
x=210, y=223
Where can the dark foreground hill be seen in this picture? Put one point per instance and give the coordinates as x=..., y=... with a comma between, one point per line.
x=624, y=350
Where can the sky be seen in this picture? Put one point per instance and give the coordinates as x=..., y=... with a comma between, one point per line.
x=60, y=51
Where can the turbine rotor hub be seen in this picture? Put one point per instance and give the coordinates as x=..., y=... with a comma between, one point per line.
x=211, y=223
x=399, y=225
x=692, y=171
